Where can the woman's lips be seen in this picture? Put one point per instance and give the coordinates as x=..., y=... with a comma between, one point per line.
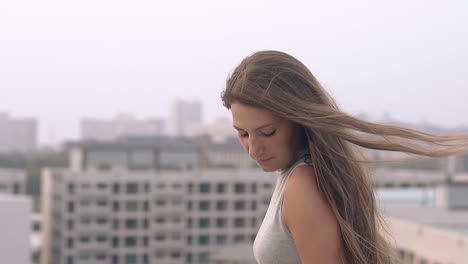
x=264, y=161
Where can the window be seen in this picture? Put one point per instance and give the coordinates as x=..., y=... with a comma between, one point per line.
x=239, y=188
x=221, y=188
x=101, y=220
x=70, y=243
x=132, y=188
x=131, y=223
x=239, y=205
x=71, y=188
x=239, y=222
x=175, y=254
x=253, y=205
x=116, y=206
x=253, y=222
x=130, y=241
x=71, y=207
x=145, y=259
x=132, y=206
x=101, y=238
x=203, y=240
x=204, y=223
x=146, y=206
x=16, y=188
x=221, y=222
x=160, y=202
x=160, y=237
x=160, y=220
x=189, y=240
x=221, y=239
x=204, y=188
x=101, y=202
x=254, y=188
x=115, y=242
x=130, y=259
x=221, y=205
x=101, y=256
x=204, y=205
x=84, y=239
x=116, y=188
x=145, y=223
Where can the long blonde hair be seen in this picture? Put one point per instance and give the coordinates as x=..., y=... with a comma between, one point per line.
x=280, y=83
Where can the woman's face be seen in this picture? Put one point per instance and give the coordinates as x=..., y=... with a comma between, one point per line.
x=270, y=140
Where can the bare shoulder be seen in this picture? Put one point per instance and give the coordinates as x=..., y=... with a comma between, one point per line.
x=309, y=218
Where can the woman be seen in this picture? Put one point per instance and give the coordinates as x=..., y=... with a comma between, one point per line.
x=323, y=209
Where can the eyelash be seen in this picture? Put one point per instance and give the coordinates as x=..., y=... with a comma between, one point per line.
x=263, y=134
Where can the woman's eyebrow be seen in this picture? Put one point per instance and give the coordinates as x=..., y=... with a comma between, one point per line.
x=260, y=127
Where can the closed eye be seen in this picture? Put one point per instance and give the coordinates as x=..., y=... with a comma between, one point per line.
x=243, y=135
x=269, y=134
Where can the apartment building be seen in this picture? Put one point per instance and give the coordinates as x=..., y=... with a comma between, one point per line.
x=147, y=201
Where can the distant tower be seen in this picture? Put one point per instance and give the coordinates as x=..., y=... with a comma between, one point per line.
x=17, y=134
x=184, y=115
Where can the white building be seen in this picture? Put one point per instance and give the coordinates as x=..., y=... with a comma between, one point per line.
x=185, y=115
x=147, y=201
x=12, y=181
x=17, y=134
x=15, y=228
x=121, y=125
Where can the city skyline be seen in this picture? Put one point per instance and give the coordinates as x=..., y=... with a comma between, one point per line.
x=403, y=58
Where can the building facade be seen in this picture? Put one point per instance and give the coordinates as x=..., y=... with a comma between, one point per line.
x=122, y=125
x=147, y=200
x=15, y=227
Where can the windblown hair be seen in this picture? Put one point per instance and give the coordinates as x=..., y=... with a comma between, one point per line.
x=280, y=83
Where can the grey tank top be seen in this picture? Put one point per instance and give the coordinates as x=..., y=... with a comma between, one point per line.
x=274, y=243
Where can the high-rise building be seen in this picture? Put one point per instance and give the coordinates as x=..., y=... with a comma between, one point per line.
x=147, y=201
x=15, y=227
x=17, y=135
x=185, y=115
x=121, y=125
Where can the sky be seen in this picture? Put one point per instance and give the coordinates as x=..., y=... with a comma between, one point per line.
x=61, y=61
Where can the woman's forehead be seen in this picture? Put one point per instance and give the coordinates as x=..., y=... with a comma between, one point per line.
x=248, y=117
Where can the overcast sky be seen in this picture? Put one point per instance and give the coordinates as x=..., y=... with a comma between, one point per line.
x=61, y=60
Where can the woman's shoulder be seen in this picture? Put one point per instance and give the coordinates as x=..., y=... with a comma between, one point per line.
x=307, y=214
